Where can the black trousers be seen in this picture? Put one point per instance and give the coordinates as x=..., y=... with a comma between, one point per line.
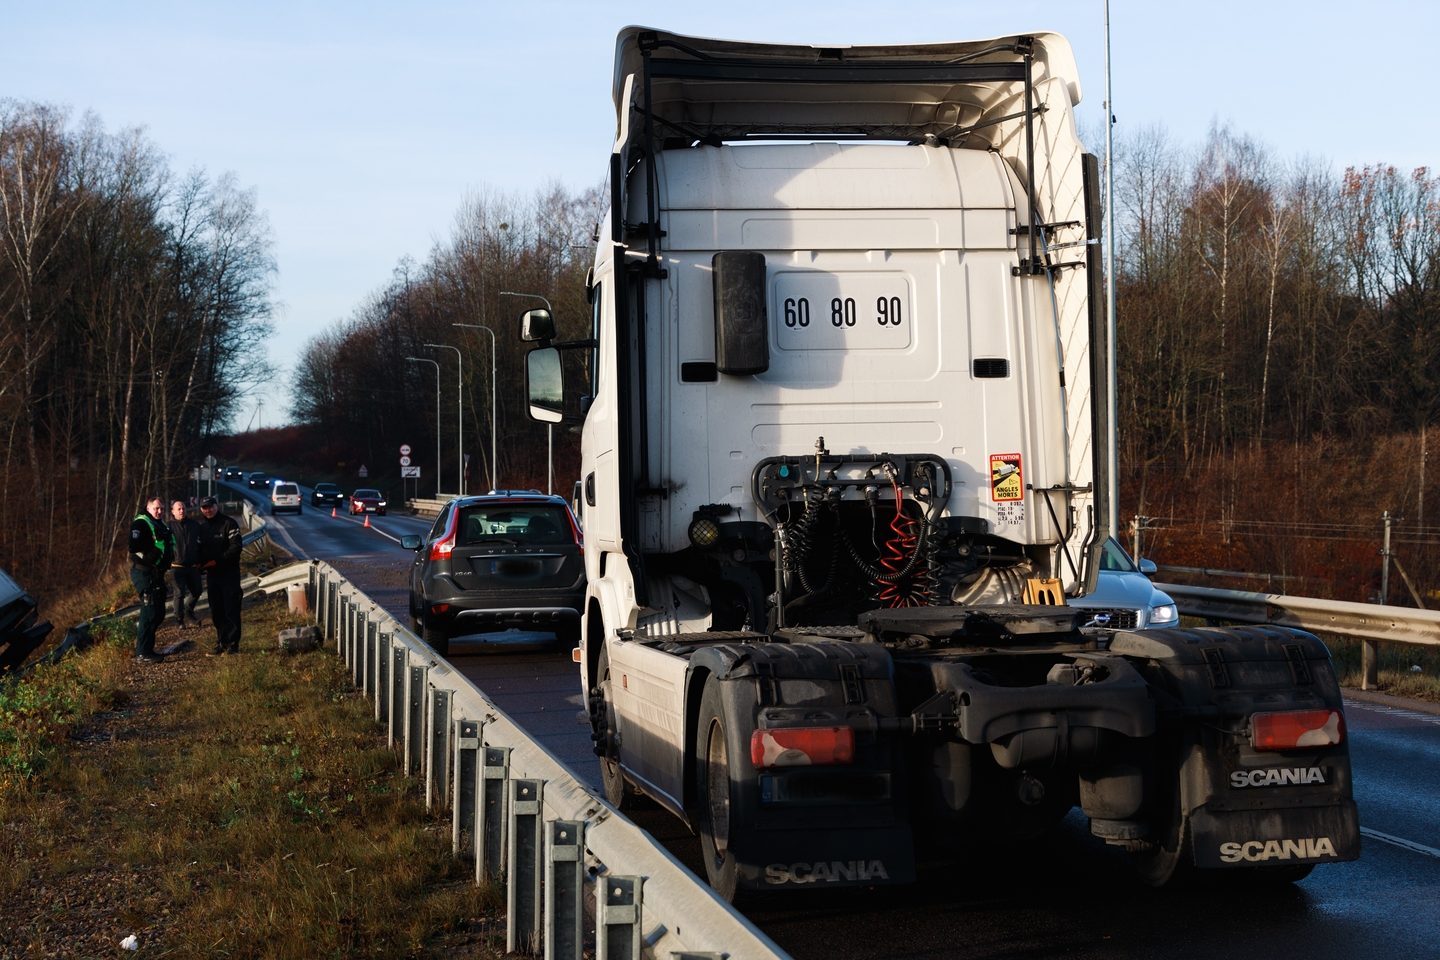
x=223, y=589
x=187, y=583
x=150, y=586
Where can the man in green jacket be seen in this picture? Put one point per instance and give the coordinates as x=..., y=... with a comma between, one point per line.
x=152, y=548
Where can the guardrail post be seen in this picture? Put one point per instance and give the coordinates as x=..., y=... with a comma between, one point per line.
x=330, y=615
x=310, y=594
x=617, y=918
x=1369, y=665
x=491, y=817
x=342, y=637
x=523, y=872
x=462, y=809
x=399, y=659
x=564, y=889
x=415, y=722
x=322, y=596
x=437, y=765
x=357, y=649
x=382, y=681
x=372, y=632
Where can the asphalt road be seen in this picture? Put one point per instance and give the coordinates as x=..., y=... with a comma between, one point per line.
x=1067, y=894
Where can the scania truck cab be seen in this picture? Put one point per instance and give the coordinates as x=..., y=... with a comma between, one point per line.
x=846, y=455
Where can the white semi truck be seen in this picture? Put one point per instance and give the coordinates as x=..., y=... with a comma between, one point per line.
x=845, y=456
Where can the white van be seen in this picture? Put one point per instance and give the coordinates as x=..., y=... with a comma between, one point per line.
x=284, y=496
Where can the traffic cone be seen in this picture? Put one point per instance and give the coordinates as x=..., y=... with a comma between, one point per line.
x=367, y=519
x=332, y=511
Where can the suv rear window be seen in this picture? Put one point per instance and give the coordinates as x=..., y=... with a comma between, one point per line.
x=287, y=489
x=520, y=522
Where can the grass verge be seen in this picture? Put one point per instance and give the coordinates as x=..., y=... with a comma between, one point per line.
x=229, y=807
x=1397, y=674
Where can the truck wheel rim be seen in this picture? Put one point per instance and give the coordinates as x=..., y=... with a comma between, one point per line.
x=717, y=773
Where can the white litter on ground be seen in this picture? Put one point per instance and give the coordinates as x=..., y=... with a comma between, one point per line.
x=130, y=943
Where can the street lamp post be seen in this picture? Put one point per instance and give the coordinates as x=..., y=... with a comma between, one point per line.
x=459, y=406
x=437, y=419
x=494, y=405
x=549, y=427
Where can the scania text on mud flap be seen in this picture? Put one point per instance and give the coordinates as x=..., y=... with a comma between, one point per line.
x=844, y=413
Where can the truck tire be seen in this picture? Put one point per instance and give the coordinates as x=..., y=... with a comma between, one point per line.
x=1170, y=859
x=617, y=791
x=714, y=791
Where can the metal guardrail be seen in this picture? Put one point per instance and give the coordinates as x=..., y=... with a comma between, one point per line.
x=571, y=861
x=1364, y=621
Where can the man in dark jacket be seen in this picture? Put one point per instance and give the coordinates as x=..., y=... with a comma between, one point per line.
x=152, y=548
x=220, y=559
x=185, y=573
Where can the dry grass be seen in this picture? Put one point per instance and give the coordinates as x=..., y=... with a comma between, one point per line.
x=238, y=807
x=1397, y=675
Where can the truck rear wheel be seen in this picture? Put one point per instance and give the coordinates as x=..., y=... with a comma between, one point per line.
x=1169, y=861
x=714, y=789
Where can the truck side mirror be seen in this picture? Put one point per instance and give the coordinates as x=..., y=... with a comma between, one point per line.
x=742, y=330
x=410, y=542
x=545, y=384
x=1148, y=568
x=537, y=326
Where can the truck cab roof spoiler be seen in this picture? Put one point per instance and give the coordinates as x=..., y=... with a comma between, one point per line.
x=713, y=90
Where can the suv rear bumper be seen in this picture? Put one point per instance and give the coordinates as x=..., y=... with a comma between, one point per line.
x=503, y=618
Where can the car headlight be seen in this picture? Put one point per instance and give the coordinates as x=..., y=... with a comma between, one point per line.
x=1163, y=613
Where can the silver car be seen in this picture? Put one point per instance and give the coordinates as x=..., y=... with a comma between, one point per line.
x=1124, y=593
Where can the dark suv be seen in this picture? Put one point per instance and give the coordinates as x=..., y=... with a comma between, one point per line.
x=326, y=493
x=495, y=562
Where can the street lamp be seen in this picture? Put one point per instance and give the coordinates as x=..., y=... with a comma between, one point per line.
x=549, y=427
x=494, y=404
x=437, y=420
x=459, y=405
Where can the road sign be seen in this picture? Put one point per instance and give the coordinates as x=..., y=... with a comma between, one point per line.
x=410, y=473
x=405, y=449
x=363, y=472
x=404, y=461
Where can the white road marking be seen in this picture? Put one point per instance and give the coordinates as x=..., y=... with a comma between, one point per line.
x=285, y=535
x=1393, y=711
x=1400, y=842
x=361, y=523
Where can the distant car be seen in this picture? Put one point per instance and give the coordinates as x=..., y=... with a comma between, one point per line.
x=233, y=473
x=496, y=562
x=257, y=481
x=284, y=496
x=1124, y=594
x=326, y=493
x=367, y=501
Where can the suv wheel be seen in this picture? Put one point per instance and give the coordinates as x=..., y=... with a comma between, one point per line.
x=437, y=638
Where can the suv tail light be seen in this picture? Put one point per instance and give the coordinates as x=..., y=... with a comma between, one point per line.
x=802, y=746
x=442, y=548
x=1297, y=729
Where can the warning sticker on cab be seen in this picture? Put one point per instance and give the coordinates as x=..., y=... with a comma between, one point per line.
x=1005, y=479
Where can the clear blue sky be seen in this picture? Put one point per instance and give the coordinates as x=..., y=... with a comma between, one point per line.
x=362, y=125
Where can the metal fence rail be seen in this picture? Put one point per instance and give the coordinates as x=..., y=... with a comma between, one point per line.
x=572, y=862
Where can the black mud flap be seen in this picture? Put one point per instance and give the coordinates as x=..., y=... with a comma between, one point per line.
x=811, y=859
x=1276, y=838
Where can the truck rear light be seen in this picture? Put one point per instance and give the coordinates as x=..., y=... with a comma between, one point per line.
x=1297, y=729
x=802, y=746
